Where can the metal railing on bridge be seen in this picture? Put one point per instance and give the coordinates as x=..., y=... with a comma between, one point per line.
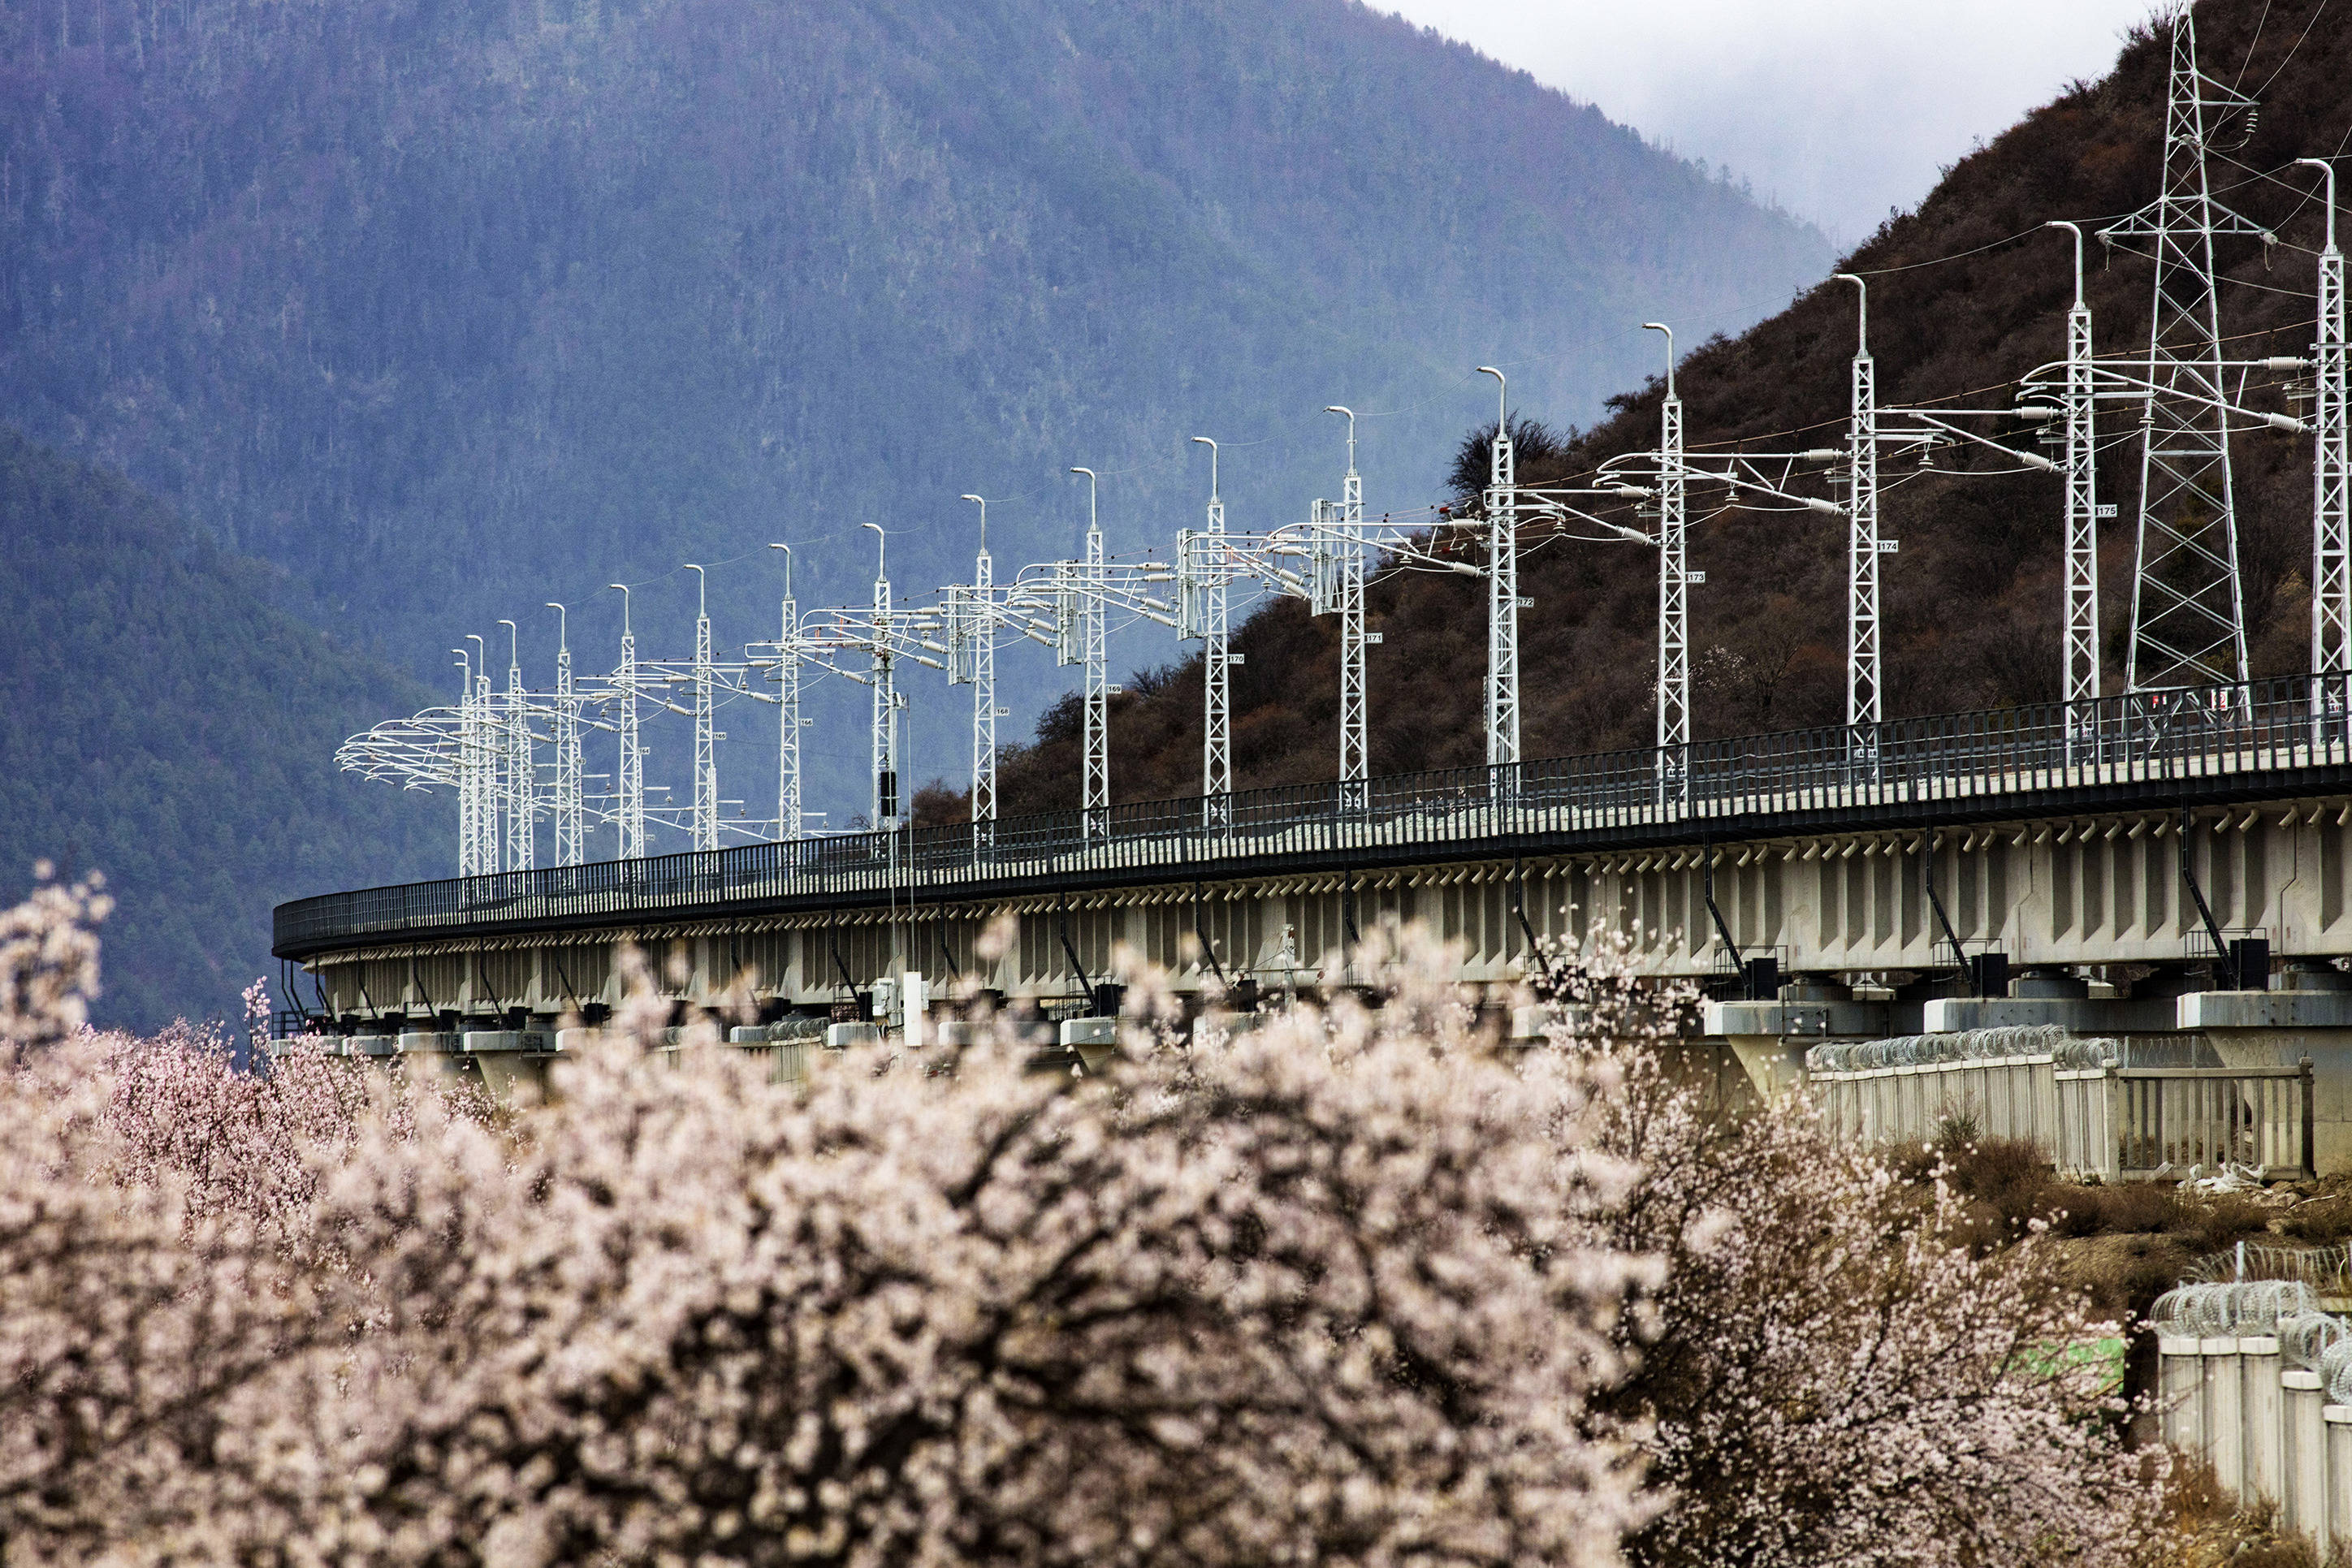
x=2216, y=734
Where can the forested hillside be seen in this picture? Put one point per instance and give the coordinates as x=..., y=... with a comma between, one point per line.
x=451, y=309
x=1967, y=293
x=164, y=722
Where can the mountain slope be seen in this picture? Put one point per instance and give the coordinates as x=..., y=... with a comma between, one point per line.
x=453, y=308
x=1966, y=294
x=161, y=721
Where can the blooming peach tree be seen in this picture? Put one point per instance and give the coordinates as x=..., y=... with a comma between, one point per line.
x=1326, y=1291
x=1833, y=1373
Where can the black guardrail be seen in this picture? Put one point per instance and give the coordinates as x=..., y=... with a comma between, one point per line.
x=2217, y=735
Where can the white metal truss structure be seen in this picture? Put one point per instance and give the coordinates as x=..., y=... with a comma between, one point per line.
x=631, y=818
x=1203, y=575
x=1502, y=603
x=975, y=617
x=2080, y=406
x=1864, y=686
x=1673, y=588
x=411, y=770
x=521, y=801
x=485, y=746
x=703, y=676
x=2331, y=491
x=788, y=706
x=483, y=754
x=884, y=634
x=883, y=739
x=1088, y=587
x=569, y=806
x=1345, y=576
x=2189, y=616
x=1066, y=604
x=1660, y=481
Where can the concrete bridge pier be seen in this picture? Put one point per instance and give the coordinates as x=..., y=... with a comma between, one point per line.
x=2309, y=1017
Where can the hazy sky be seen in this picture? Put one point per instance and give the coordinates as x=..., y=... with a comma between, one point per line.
x=1837, y=108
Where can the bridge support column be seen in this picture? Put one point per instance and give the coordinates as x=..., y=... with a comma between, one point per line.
x=2279, y=1029
x=1770, y=1039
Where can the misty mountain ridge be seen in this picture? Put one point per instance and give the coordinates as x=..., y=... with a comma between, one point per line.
x=1967, y=293
x=450, y=309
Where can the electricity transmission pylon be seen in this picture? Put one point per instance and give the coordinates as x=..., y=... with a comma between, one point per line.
x=2189, y=615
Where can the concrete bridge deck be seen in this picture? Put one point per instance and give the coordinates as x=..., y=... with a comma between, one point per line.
x=1870, y=868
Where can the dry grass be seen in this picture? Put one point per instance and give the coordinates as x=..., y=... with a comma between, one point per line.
x=2210, y=1530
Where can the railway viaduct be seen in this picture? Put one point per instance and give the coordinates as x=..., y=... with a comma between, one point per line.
x=2135, y=867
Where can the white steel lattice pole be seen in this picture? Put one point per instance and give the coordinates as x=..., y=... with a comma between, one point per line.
x=706, y=757
x=468, y=799
x=2189, y=616
x=522, y=781
x=487, y=763
x=788, y=706
x=1502, y=586
x=1201, y=563
x=1673, y=588
x=2081, y=505
x=1097, y=696
x=484, y=753
x=885, y=734
x=569, y=823
x=2331, y=574
x=1350, y=562
x=981, y=626
x=1863, y=706
x=633, y=750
